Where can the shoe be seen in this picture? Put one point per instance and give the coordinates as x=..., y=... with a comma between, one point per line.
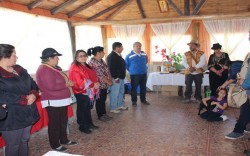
x=115, y=111
x=60, y=149
x=70, y=143
x=102, y=118
x=224, y=117
x=92, y=127
x=123, y=108
x=234, y=135
x=186, y=101
x=107, y=117
x=87, y=131
x=197, y=101
x=134, y=104
x=145, y=102
x=247, y=130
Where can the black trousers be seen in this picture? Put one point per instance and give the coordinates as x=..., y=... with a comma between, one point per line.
x=211, y=116
x=83, y=111
x=197, y=78
x=135, y=81
x=100, y=103
x=244, y=118
x=58, y=120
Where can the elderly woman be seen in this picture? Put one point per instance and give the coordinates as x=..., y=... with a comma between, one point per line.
x=217, y=75
x=104, y=77
x=55, y=97
x=85, y=83
x=18, y=93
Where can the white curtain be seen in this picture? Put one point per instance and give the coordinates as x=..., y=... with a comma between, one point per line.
x=31, y=34
x=127, y=35
x=170, y=33
x=229, y=33
x=88, y=36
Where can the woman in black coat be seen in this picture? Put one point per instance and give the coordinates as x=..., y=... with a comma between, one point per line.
x=18, y=93
x=217, y=75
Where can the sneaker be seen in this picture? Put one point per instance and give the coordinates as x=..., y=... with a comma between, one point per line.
x=60, y=149
x=247, y=130
x=224, y=117
x=145, y=102
x=115, y=111
x=123, y=108
x=134, y=104
x=70, y=143
x=186, y=101
x=234, y=135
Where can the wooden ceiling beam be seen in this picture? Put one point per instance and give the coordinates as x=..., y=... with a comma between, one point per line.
x=198, y=7
x=35, y=4
x=38, y=11
x=162, y=20
x=193, y=4
x=119, y=9
x=172, y=4
x=186, y=7
x=60, y=7
x=82, y=7
x=108, y=9
x=138, y=2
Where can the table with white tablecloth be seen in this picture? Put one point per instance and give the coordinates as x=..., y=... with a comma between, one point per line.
x=170, y=79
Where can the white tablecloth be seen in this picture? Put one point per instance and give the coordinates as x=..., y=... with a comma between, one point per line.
x=170, y=79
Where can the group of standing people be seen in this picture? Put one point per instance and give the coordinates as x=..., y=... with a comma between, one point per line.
x=87, y=82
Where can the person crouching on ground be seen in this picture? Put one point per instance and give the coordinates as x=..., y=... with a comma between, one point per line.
x=215, y=106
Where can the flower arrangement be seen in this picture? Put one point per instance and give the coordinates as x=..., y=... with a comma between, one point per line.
x=173, y=58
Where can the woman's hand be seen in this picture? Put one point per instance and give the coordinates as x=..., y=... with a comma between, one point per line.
x=96, y=85
x=240, y=81
x=31, y=98
x=69, y=83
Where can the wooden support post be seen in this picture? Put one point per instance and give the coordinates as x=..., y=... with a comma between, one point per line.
x=72, y=38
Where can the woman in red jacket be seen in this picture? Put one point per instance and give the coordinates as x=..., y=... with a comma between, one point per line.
x=85, y=85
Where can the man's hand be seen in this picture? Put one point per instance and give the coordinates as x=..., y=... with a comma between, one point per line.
x=192, y=69
x=117, y=80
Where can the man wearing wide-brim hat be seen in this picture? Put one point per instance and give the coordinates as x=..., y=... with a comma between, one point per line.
x=194, y=61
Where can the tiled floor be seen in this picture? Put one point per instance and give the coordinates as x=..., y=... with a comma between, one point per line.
x=165, y=128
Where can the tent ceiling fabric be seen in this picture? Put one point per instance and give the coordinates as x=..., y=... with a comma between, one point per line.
x=116, y=11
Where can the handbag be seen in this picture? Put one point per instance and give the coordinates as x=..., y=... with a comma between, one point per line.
x=236, y=96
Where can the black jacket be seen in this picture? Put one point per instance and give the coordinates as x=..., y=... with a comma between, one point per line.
x=116, y=65
x=13, y=91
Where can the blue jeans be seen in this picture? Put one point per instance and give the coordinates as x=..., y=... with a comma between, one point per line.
x=244, y=118
x=116, y=94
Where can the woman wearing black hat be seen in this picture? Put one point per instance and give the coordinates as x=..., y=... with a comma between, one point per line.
x=55, y=97
x=217, y=74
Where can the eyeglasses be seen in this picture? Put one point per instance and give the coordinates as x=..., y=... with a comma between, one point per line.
x=81, y=56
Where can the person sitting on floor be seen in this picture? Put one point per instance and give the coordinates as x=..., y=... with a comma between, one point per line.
x=220, y=104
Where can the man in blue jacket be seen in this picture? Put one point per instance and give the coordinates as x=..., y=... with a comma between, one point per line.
x=136, y=64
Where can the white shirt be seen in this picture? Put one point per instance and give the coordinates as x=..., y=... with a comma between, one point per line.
x=200, y=64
